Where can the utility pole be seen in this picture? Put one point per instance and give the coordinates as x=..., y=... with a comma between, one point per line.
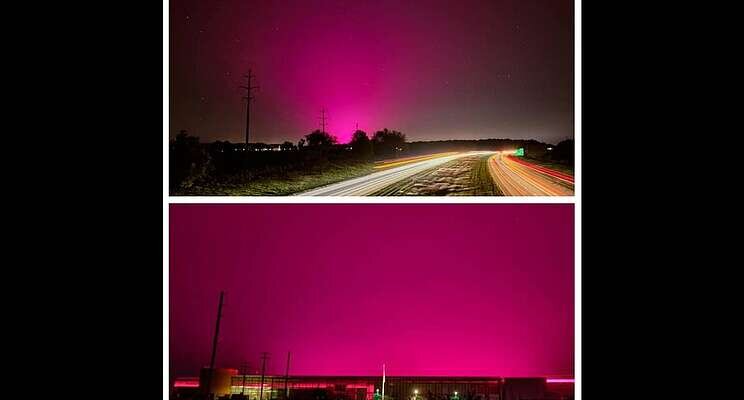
x=245, y=372
x=322, y=120
x=214, y=345
x=286, y=379
x=248, y=97
x=264, y=356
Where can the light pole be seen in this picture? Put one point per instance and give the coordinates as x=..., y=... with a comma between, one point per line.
x=383, y=381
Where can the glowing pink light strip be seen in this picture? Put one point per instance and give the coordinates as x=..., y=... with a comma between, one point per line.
x=189, y=384
x=318, y=385
x=370, y=388
x=559, y=380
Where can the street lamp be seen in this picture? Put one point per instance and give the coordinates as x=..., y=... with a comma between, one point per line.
x=415, y=394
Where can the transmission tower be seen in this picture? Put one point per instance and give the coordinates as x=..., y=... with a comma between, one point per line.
x=248, y=97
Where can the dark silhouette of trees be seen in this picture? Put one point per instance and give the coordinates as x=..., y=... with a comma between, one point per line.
x=360, y=144
x=225, y=157
x=318, y=138
x=387, y=142
x=301, y=143
x=288, y=146
x=187, y=158
x=563, y=152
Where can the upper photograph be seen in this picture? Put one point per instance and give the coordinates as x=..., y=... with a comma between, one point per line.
x=371, y=98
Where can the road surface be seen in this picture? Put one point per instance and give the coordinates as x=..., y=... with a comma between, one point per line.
x=518, y=178
x=368, y=184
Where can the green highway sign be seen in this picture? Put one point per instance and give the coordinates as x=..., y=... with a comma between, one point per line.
x=519, y=152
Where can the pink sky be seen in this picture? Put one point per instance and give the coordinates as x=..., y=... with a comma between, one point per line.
x=427, y=289
x=434, y=70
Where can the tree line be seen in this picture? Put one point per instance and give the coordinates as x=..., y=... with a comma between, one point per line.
x=191, y=161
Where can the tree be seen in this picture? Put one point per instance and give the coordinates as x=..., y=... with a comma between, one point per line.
x=301, y=143
x=186, y=159
x=360, y=144
x=564, y=152
x=318, y=138
x=287, y=146
x=387, y=142
x=184, y=140
x=225, y=157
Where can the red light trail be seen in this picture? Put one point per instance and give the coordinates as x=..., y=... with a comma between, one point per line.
x=546, y=171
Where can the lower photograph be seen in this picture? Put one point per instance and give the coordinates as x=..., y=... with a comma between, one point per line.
x=371, y=301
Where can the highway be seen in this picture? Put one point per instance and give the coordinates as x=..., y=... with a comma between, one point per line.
x=516, y=177
x=368, y=184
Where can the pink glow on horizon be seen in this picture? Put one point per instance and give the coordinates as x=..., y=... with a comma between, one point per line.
x=433, y=70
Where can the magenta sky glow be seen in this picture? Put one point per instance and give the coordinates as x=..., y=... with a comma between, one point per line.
x=431, y=69
x=427, y=289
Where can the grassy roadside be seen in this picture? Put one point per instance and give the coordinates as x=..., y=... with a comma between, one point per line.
x=566, y=169
x=287, y=184
x=483, y=183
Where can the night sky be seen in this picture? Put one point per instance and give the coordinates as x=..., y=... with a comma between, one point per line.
x=431, y=69
x=427, y=289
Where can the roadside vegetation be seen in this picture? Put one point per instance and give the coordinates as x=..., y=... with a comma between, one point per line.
x=281, y=184
x=559, y=158
x=566, y=169
x=483, y=183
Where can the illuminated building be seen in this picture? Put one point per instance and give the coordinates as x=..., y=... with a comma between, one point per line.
x=396, y=388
